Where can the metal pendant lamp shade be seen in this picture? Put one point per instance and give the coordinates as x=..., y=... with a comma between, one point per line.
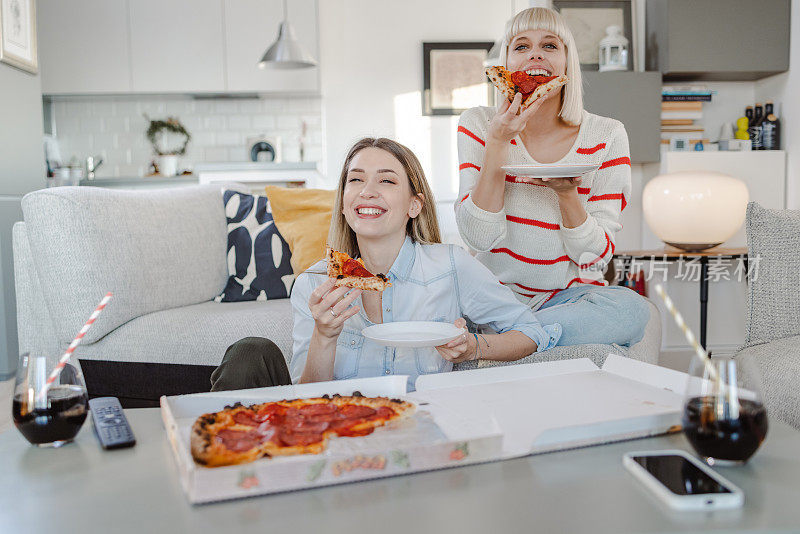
x=286, y=52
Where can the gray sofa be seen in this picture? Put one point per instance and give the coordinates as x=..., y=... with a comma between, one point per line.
x=772, y=339
x=163, y=255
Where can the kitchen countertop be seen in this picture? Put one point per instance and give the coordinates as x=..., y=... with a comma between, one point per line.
x=254, y=166
x=238, y=167
x=136, y=180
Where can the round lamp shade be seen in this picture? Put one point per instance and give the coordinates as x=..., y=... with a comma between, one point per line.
x=694, y=210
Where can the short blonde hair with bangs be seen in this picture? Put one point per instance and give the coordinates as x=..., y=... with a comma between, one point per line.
x=542, y=18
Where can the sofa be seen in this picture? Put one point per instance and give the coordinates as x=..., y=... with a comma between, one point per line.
x=772, y=338
x=163, y=255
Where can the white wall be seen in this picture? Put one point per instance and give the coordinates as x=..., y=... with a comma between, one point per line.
x=371, y=72
x=784, y=90
x=21, y=171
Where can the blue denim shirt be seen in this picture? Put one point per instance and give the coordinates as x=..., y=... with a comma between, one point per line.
x=429, y=283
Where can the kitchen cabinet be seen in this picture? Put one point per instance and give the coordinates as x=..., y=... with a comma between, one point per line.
x=634, y=98
x=250, y=27
x=177, y=46
x=83, y=46
x=734, y=40
x=170, y=46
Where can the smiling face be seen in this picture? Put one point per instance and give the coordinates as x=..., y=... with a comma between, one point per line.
x=377, y=200
x=537, y=52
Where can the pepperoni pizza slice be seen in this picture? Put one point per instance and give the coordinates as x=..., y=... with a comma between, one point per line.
x=352, y=273
x=532, y=87
x=241, y=434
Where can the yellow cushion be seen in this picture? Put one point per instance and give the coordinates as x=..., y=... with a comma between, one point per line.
x=303, y=217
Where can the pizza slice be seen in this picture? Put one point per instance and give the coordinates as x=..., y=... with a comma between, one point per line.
x=352, y=273
x=532, y=87
x=240, y=434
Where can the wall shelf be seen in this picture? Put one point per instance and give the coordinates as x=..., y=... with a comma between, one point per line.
x=717, y=40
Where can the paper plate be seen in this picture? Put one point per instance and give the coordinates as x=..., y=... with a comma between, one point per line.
x=550, y=171
x=412, y=333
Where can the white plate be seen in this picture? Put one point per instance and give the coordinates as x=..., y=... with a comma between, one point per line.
x=550, y=171
x=412, y=333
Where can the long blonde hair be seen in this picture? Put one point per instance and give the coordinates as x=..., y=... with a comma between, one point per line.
x=542, y=18
x=424, y=228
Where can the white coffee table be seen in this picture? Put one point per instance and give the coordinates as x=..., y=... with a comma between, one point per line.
x=82, y=489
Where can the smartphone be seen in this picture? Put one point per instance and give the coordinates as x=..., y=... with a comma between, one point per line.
x=682, y=481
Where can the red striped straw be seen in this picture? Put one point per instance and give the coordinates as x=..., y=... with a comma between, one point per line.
x=75, y=342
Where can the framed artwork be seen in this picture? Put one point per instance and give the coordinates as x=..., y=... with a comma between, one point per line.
x=588, y=20
x=454, y=77
x=18, y=34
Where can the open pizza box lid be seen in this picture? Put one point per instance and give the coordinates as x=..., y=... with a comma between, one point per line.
x=462, y=417
x=436, y=436
x=549, y=406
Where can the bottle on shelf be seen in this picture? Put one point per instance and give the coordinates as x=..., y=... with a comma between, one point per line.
x=748, y=112
x=770, y=129
x=755, y=128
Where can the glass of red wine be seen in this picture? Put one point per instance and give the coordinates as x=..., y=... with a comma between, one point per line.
x=53, y=417
x=724, y=417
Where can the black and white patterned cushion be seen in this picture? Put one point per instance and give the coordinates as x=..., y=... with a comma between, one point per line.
x=258, y=257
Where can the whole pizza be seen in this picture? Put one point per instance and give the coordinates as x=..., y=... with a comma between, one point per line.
x=240, y=434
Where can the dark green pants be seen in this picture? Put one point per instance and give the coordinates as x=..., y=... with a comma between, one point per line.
x=252, y=362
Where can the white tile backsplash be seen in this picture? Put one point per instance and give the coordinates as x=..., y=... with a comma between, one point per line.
x=239, y=123
x=229, y=138
x=115, y=128
x=215, y=122
x=261, y=123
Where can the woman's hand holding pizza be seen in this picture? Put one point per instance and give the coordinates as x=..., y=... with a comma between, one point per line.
x=509, y=121
x=461, y=348
x=331, y=306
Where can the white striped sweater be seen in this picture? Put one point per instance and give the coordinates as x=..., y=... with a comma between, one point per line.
x=524, y=244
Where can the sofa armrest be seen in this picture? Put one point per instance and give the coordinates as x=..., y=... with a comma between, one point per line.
x=35, y=328
x=773, y=295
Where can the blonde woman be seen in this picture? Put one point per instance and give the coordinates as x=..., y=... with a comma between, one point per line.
x=548, y=240
x=385, y=215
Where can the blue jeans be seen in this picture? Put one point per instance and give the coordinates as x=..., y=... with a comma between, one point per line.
x=595, y=314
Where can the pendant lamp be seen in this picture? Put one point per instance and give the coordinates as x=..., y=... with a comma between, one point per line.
x=286, y=52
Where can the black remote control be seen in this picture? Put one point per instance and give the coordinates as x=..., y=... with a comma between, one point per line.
x=110, y=424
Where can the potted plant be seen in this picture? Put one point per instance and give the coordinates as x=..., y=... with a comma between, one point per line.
x=169, y=139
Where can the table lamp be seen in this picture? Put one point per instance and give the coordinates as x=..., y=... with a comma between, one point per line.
x=694, y=210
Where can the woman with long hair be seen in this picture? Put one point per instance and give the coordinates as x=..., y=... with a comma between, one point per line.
x=549, y=239
x=385, y=215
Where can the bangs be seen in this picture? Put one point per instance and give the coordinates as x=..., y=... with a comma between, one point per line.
x=538, y=19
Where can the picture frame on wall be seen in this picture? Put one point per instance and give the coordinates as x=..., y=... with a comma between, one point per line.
x=588, y=20
x=454, y=77
x=18, y=34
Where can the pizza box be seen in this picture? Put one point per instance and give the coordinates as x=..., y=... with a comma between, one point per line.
x=550, y=406
x=436, y=436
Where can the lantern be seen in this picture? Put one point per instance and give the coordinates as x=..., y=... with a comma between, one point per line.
x=613, y=50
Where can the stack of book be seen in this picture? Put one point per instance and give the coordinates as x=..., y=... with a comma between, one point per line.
x=682, y=113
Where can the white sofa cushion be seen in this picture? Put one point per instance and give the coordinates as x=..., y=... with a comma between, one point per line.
x=154, y=249
x=196, y=334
